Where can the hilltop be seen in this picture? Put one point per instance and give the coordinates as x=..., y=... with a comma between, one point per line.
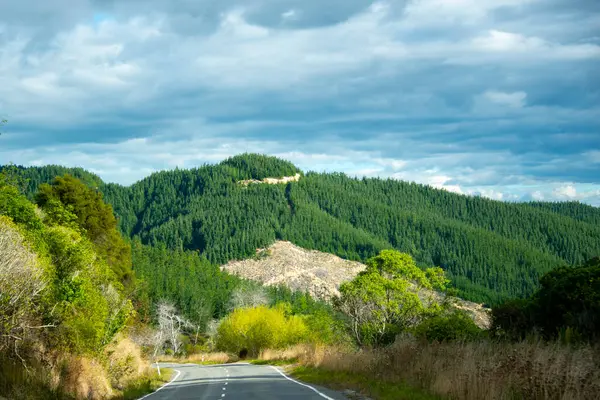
x=491, y=250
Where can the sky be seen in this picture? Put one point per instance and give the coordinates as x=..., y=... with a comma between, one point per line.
x=498, y=98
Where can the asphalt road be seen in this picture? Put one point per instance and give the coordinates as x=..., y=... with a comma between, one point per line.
x=236, y=382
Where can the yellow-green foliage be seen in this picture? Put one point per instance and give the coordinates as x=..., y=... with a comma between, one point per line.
x=386, y=298
x=77, y=297
x=84, y=292
x=260, y=328
x=61, y=302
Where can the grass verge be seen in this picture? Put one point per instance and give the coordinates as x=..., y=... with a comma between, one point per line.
x=274, y=362
x=202, y=359
x=145, y=385
x=342, y=380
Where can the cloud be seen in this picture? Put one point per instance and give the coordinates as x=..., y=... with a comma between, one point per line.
x=593, y=156
x=289, y=15
x=516, y=99
x=490, y=98
x=568, y=191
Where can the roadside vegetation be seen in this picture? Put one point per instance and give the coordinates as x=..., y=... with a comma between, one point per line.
x=385, y=340
x=65, y=297
x=469, y=370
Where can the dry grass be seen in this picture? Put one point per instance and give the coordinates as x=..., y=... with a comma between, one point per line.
x=84, y=378
x=461, y=371
x=294, y=353
x=124, y=362
x=202, y=358
x=115, y=374
x=149, y=382
x=470, y=371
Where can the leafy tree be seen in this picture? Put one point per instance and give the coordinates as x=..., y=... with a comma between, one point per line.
x=69, y=201
x=85, y=294
x=15, y=205
x=53, y=280
x=384, y=299
x=568, y=299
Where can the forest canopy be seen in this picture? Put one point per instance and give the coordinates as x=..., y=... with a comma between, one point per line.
x=490, y=250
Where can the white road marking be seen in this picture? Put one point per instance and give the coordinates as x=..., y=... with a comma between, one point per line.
x=163, y=386
x=302, y=384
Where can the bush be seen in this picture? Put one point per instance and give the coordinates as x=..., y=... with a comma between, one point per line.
x=570, y=298
x=513, y=319
x=18, y=208
x=22, y=285
x=258, y=328
x=454, y=326
x=567, y=305
x=326, y=328
x=90, y=309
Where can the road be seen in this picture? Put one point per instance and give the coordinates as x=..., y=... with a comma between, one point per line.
x=236, y=382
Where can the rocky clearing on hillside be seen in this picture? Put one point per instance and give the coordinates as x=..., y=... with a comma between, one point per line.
x=272, y=181
x=318, y=273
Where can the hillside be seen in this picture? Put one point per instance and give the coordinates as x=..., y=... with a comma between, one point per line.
x=320, y=274
x=317, y=273
x=491, y=250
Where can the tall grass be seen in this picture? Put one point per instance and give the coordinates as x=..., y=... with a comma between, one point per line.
x=473, y=370
x=119, y=372
x=201, y=358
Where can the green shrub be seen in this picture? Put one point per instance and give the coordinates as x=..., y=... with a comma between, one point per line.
x=566, y=306
x=260, y=328
x=454, y=326
x=326, y=328
x=513, y=319
x=16, y=206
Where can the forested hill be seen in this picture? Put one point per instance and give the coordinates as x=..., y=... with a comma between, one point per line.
x=492, y=250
